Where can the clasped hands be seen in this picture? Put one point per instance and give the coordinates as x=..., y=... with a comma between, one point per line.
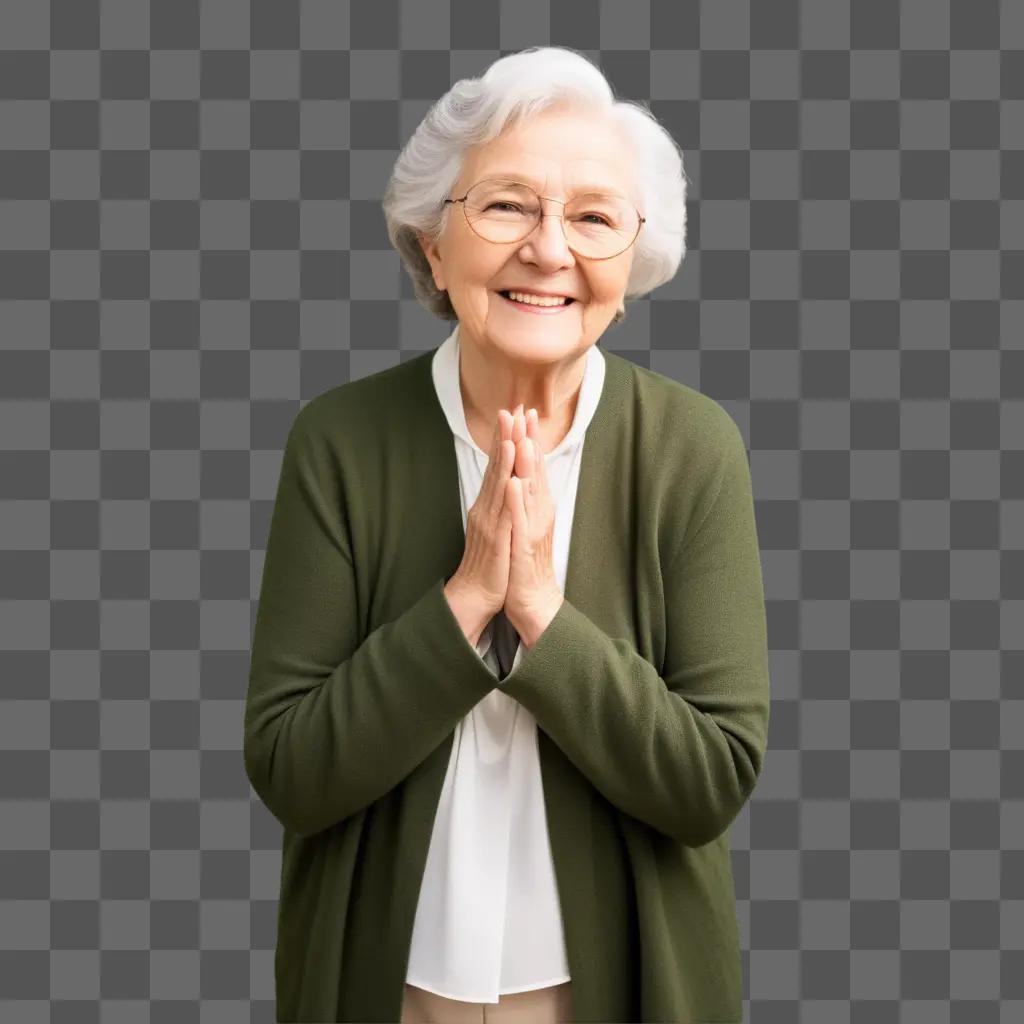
x=533, y=596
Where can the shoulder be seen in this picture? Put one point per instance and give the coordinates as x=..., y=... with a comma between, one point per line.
x=691, y=431
x=690, y=450
x=351, y=409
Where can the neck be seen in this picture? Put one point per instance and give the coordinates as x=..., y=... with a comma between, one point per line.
x=489, y=381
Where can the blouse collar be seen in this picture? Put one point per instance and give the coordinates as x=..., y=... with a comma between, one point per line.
x=445, y=369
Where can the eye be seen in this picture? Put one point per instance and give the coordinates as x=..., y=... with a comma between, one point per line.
x=603, y=220
x=509, y=206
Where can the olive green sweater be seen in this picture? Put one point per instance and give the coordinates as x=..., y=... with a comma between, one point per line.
x=650, y=690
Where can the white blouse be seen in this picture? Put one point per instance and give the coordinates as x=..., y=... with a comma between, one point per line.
x=488, y=921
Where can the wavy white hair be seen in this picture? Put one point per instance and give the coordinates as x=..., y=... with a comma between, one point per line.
x=476, y=110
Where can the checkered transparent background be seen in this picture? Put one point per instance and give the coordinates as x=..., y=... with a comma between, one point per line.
x=192, y=246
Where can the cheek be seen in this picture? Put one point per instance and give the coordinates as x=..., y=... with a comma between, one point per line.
x=607, y=288
x=474, y=270
x=471, y=276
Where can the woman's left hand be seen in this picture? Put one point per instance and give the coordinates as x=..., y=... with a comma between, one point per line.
x=533, y=596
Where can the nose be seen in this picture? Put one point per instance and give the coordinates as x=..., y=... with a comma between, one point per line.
x=546, y=246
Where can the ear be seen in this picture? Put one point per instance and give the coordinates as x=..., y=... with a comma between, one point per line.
x=430, y=250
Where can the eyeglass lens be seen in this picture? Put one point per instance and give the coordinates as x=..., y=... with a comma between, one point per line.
x=597, y=224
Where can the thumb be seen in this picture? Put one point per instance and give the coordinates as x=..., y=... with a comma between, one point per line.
x=514, y=503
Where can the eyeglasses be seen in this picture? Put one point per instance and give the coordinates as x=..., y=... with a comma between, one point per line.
x=597, y=225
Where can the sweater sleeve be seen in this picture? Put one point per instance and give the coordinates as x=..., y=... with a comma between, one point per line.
x=332, y=720
x=681, y=750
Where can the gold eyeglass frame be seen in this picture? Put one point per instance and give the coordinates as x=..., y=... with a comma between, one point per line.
x=641, y=221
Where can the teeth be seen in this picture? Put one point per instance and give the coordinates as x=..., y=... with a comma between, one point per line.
x=537, y=300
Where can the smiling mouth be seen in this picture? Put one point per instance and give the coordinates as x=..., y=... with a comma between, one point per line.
x=547, y=307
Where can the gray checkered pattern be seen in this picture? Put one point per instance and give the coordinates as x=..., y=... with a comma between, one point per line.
x=191, y=246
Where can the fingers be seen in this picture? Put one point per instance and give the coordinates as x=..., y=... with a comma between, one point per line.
x=497, y=439
x=518, y=424
x=514, y=502
x=533, y=429
x=518, y=433
x=538, y=468
x=530, y=464
x=504, y=472
x=522, y=460
x=493, y=455
x=500, y=466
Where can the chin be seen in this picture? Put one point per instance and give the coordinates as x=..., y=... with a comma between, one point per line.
x=543, y=351
x=540, y=340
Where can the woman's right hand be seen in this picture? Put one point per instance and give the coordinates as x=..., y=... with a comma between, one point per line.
x=483, y=572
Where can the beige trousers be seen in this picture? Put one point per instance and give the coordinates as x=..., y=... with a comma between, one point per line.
x=552, y=1005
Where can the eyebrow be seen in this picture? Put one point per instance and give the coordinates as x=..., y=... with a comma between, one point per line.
x=532, y=182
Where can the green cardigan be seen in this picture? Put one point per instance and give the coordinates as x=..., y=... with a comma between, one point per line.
x=649, y=687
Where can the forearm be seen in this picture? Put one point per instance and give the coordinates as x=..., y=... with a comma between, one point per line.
x=678, y=746
x=318, y=749
x=334, y=719
x=684, y=767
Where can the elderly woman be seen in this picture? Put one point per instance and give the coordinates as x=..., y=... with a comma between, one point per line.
x=509, y=678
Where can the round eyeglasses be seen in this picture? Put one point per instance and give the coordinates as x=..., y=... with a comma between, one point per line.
x=597, y=225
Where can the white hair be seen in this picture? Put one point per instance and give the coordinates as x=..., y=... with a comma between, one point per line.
x=476, y=110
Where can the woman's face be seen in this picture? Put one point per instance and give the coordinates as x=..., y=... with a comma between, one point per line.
x=558, y=152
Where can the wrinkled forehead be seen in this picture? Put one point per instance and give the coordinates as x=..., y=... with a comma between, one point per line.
x=571, y=182
x=556, y=156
